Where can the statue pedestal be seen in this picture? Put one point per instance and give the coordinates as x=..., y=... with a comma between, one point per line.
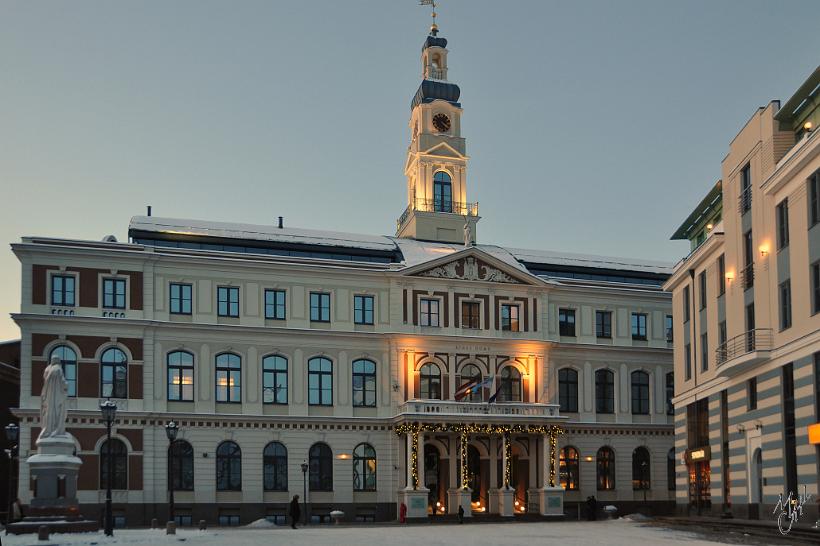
x=460, y=497
x=54, y=470
x=503, y=501
x=416, y=502
x=552, y=501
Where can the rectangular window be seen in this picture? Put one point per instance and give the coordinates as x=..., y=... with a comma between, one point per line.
x=319, y=307
x=363, y=309
x=789, y=429
x=670, y=393
x=180, y=295
x=748, y=261
x=275, y=306
x=670, y=332
x=566, y=322
x=702, y=285
x=751, y=394
x=814, y=198
x=704, y=352
x=782, y=214
x=815, y=287
x=685, y=304
x=470, y=314
x=62, y=290
x=227, y=301
x=722, y=332
x=603, y=324
x=721, y=280
x=745, y=189
x=639, y=326
x=114, y=293
x=687, y=361
x=429, y=312
x=509, y=318
x=785, y=304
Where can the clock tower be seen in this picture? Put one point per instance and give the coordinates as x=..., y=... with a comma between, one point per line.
x=436, y=166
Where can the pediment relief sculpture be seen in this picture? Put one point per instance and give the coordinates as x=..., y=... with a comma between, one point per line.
x=470, y=269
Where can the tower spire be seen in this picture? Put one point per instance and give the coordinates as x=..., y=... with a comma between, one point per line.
x=432, y=4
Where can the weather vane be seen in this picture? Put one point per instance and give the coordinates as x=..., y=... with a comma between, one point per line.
x=433, y=27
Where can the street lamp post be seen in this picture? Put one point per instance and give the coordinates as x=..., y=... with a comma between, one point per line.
x=12, y=434
x=109, y=413
x=304, y=486
x=171, y=430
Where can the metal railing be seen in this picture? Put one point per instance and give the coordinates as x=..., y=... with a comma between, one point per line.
x=747, y=276
x=744, y=201
x=437, y=73
x=527, y=409
x=435, y=205
x=759, y=339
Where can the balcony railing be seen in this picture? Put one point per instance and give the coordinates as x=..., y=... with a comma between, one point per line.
x=744, y=201
x=747, y=276
x=435, y=205
x=759, y=339
x=445, y=408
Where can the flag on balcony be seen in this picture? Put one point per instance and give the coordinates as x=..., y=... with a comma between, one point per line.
x=472, y=386
x=495, y=395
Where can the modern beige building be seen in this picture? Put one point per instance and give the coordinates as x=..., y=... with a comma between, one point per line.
x=746, y=302
x=422, y=368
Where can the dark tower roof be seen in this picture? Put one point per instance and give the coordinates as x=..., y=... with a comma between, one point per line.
x=430, y=90
x=434, y=41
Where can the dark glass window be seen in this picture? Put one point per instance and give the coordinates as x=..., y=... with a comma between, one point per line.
x=227, y=301
x=228, y=378
x=275, y=467
x=670, y=393
x=180, y=376
x=364, y=383
x=638, y=326
x=687, y=361
x=785, y=304
x=181, y=471
x=789, y=429
x=180, y=298
x=815, y=287
x=321, y=468
x=748, y=260
x=568, y=390
x=745, y=189
x=509, y=317
x=751, y=394
x=670, y=331
x=568, y=469
x=721, y=332
x=702, y=285
x=364, y=468
x=470, y=311
x=640, y=393
x=605, y=469
x=68, y=361
x=814, y=198
x=782, y=213
x=442, y=192
x=640, y=469
x=320, y=381
x=275, y=380
x=429, y=312
x=603, y=324
x=430, y=382
x=228, y=467
x=363, y=309
x=114, y=293
x=62, y=290
x=670, y=470
x=704, y=352
x=319, y=307
x=721, y=280
x=686, y=309
x=275, y=304
x=510, y=385
x=119, y=464
x=604, y=391
x=566, y=322
x=114, y=374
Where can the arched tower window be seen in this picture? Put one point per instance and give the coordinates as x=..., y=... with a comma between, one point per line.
x=430, y=382
x=510, y=387
x=442, y=192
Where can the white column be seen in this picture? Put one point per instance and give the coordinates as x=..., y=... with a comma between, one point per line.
x=420, y=459
x=409, y=460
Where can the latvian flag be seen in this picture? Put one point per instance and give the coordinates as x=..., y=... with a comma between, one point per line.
x=472, y=386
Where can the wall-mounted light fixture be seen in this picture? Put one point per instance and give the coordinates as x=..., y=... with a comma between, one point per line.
x=730, y=277
x=808, y=127
x=589, y=458
x=709, y=226
x=764, y=250
x=741, y=429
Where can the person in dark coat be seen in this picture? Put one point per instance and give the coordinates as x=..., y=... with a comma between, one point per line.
x=592, y=508
x=460, y=514
x=295, y=512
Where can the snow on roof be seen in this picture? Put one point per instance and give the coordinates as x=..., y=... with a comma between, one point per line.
x=258, y=232
x=548, y=257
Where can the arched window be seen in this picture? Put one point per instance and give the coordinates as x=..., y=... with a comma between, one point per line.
x=430, y=382
x=321, y=468
x=181, y=461
x=670, y=393
x=442, y=192
x=228, y=378
x=364, y=468
x=180, y=376
x=275, y=467
x=364, y=383
x=275, y=380
x=640, y=393
x=604, y=391
x=606, y=469
x=68, y=360
x=320, y=381
x=670, y=469
x=510, y=385
x=568, y=469
x=119, y=464
x=470, y=376
x=228, y=467
x=568, y=390
x=114, y=374
x=640, y=468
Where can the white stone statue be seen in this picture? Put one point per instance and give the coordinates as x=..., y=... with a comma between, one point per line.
x=53, y=409
x=469, y=238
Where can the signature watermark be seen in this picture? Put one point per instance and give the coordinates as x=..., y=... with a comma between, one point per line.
x=788, y=511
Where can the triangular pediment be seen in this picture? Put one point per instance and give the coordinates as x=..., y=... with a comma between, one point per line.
x=442, y=149
x=473, y=264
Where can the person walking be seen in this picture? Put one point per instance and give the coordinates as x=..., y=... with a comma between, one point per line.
x=294, y=511
x=460, y=514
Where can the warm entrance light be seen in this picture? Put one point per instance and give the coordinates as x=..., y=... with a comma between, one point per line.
x=807, y=126
x=588, y=458
x=814, y=433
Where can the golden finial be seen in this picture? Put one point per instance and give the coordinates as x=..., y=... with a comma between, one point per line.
x=432, y=3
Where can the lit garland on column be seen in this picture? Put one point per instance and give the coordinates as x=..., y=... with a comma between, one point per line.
x=463, y=450
x=414, y=458
x=553, y=434
x=507, y=460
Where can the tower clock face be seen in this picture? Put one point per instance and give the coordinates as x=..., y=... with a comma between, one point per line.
x=441, y=122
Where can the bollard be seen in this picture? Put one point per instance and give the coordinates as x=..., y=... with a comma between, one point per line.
x=42, y=532
x=202, y=525
x=154, y=523
x=171, y=528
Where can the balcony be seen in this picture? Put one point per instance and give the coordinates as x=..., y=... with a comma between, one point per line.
x=435, y=205
x=747, y=276
x=435, y=410
x=741, y=352
x=744, y=201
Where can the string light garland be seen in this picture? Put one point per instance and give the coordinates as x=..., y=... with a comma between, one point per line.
x=414, y=458
x=507, y=461
x=465, y=474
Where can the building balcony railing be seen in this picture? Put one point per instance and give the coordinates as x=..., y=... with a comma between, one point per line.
x=744, y=201
x=444, y=408
x=436, y=205
x=747, y=276
x=749, y=347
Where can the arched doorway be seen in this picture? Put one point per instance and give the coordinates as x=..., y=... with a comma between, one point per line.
x=474, y=476
x=433, y=479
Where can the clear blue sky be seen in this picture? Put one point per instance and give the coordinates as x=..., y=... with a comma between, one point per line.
x=593, y=126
